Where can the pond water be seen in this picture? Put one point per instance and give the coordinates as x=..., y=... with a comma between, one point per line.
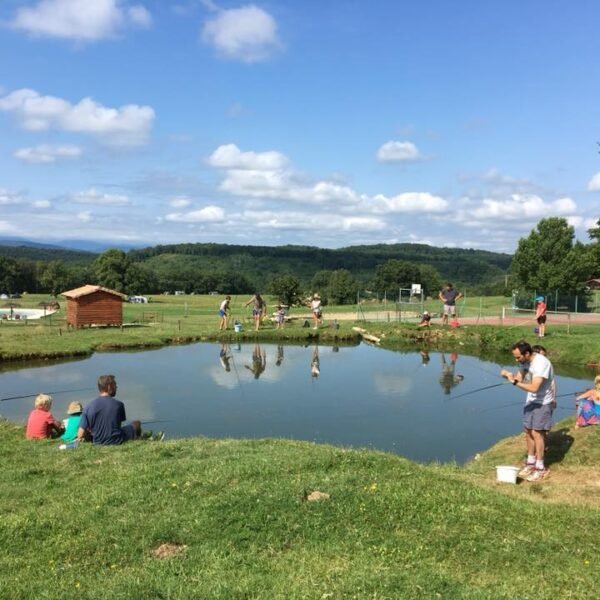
x=360, y=396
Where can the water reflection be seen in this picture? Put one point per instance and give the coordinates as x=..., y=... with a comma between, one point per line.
x=365, y=397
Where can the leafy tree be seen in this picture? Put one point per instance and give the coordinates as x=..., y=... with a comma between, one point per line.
x=394, y=274
x=549, y=259
x=429, y=279
x=594, y=249
x=286, y=288
x=10, y=275
x=111, y=269
x=55, y=277
x=342, y=287
x=139, y=279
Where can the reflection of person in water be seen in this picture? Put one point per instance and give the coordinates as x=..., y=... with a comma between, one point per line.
x=259, y=362
x=279, y=358
x=424, y=357
x=448, y=380
x=225, y=357
x=315, y=365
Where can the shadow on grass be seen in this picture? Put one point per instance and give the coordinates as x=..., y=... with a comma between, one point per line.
x=558, y=444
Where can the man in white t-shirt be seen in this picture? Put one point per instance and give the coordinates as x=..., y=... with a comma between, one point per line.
x=536, y=377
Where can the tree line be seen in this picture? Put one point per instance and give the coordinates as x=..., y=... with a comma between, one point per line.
x=549, y=259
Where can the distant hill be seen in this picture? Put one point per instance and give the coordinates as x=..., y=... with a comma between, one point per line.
x=44, y=252
x=259, y=263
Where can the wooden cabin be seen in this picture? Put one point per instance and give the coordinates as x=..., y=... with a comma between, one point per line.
x=94, y=305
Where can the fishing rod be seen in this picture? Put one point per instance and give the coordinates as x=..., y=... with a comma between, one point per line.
x=49, y=393
x=156, y=421
x=481, y=389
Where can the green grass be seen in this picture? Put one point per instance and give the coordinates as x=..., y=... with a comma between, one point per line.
x=85, y=523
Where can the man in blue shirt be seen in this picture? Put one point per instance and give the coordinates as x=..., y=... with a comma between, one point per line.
x=103, y=417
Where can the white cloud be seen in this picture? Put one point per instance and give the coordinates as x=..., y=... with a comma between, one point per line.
x=248, y=33
x=83, y=20
x=41, y=204
x=229, y=156
x=393, y=151
x=45, y=153
x=8, y=197
x=208, y=214
x=6, y=227
x=91, y=196
x=179, y=202
x=298, y=221
x=409, y=202
x=524, y=209
x=594, y=183
x=84, y=216
x=128, y=125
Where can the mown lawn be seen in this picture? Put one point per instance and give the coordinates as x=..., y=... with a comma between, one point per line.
x=87, y=523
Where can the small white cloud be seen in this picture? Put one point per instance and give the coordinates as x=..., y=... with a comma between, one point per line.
x=83, y=20
x=41, y=204
x=248, y=33
x=208, y=214
x=398, y=152
x=594, y=183
x=408, y=202
x=6, y=227
x=45, y=153
x=8, y=197
x=140, y=16
x=84, y=216
x=128, y=125
x=180, y=202
x=229, y=156
x=91, y=196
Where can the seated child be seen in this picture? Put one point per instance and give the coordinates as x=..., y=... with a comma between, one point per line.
x=588, y=406
x=41, y=424
x=71, y=423
x=425, y=319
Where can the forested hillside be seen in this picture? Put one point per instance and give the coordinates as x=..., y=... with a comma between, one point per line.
x=202, y=268
x=259, y=263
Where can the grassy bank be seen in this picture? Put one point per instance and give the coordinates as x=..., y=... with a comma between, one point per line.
x=233, y=519
x=185, y=319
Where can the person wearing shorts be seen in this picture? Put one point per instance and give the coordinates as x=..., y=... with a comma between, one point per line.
x=102, y=419
x=449, y=296
x=540, y=315
x=536, y=377
x=223, y=313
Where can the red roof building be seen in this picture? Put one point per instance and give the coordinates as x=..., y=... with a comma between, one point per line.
x=94, y=305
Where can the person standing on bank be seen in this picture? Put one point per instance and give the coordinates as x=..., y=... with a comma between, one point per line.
x=259, y=306
x=536, y=377
x=224, y=312
x=103, y=417
x=449, y=297
x=540, y=315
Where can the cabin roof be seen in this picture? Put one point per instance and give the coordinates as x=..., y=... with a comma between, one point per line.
x=85, y=290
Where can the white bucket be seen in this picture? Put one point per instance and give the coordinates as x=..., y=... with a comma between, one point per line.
x=237, y=327
x=507, y=474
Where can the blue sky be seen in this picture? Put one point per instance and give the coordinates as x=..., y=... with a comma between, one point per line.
x=325, y=123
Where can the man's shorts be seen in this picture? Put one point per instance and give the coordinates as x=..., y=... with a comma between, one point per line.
x=128, y=433
x=537, y=416
x=450, y=309
x=222, y=313
x=541, y=320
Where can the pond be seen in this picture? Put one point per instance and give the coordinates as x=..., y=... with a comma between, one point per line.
x=360, y=396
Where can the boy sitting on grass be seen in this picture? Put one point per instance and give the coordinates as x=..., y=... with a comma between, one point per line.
x=41, y=424
x=71, y=423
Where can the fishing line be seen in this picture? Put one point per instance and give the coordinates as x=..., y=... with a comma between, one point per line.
x=157, y=421
x=481, y=389
x=49, y=393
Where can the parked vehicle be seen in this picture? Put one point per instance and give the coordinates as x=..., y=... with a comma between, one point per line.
x=138, y=299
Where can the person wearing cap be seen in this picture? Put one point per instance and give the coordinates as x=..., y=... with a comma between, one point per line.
x=425, y=319
x=71, y=423
x=315, y=307
x=540, y=314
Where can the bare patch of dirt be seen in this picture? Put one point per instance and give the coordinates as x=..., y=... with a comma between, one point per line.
x=316, y=496
x=168, y=550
